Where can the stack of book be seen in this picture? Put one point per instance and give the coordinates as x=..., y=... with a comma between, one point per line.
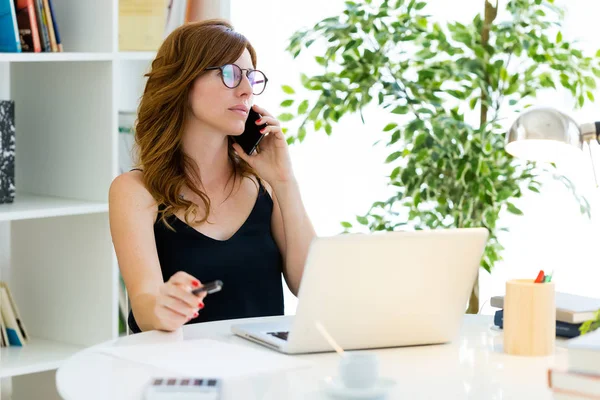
x=571, y=311
x=581, y=381
x=28, y=26
x=12, y=329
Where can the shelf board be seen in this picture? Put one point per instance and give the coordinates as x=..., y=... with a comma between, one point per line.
x=136, y=55
x=28, y=206
x=49, y=57
x=37, y=355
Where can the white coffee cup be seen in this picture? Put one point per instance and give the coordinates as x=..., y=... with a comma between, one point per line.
x=359, y=370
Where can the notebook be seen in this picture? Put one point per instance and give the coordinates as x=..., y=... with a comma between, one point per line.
x=584, y=353
x=583, y=386
x=570, y=308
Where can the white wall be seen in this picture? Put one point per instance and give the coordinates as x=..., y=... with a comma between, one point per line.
x=341, y=175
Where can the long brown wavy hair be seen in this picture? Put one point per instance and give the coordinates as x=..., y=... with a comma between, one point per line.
x=183, y=56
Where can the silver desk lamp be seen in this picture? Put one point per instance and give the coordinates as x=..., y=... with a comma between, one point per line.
x=546, y=134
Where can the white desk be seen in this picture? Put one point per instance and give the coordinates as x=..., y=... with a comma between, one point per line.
x=473, y=367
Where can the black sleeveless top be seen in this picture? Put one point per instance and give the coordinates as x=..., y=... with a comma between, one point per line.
x=249, y=264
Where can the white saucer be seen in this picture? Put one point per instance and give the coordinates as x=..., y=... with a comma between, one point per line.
x=335, y=388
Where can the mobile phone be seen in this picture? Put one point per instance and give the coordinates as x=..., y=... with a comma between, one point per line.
x=209, y=288
x=169, y=388
x=251, y=136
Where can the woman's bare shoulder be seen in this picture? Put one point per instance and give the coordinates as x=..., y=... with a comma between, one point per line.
x=129, y=187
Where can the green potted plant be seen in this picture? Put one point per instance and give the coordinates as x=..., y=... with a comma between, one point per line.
x=446, y=170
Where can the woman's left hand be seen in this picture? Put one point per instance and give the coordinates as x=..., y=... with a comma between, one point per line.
x=272, y=161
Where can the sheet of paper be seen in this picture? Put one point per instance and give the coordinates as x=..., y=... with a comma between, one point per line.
x=206, y=357
x=574, y=303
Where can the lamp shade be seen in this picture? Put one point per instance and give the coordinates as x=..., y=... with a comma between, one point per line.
x=544, y=134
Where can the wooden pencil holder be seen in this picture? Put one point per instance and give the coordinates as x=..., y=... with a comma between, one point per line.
x=529, y=318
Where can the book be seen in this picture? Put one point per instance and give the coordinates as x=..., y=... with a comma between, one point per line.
x=141, y=24
x=559, y=395
x=570, y=308
x=28, y=29
x=15, y=311
x=3, y=334
x=50, y=26
x=195, y=11
x=42, y=28
x=13, y=331
x=563, y=329
x=10, y=41
x=586, y=386
x=55, y=26
x=7, y=151
x=584, y=353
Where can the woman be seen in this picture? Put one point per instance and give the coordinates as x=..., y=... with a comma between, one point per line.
x=197, y=208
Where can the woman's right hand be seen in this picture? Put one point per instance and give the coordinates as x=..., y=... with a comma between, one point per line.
x=175, y=304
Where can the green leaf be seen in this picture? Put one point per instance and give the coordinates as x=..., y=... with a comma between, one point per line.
x=389, y=127
x=393, y=156
x=288, y=89
x=301, y=134
x=590, y=81
x=285, y=117
x=400, y=110
x=395, y=136
x=287, y=103
x=303, y=107
x=420, y=5
x=328, y=129
x=346, y=224
x=513, y=209
x=590, y=95
x=473, y=103
x=559, y=37
x=362, y=220
x=420, y=139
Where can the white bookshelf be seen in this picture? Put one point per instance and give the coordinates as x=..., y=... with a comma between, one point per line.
x=62, y=269
x=31, y=206
x=49, y=57
x=38, y=356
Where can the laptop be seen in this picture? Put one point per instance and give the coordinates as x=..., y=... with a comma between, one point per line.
x=383, y=289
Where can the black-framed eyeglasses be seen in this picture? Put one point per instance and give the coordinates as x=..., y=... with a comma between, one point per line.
x=231, y=75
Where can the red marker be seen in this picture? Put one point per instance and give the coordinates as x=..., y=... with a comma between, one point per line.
x=540, y=277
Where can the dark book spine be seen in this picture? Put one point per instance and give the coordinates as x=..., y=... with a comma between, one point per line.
x=563, y=329
x=42, y=28
x=7, y=156
x=28, y=27
x=55, y=25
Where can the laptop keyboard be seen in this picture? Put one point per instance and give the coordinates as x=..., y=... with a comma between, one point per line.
x=280, y=335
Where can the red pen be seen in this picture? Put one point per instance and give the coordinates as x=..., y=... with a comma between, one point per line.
x=540, y=277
